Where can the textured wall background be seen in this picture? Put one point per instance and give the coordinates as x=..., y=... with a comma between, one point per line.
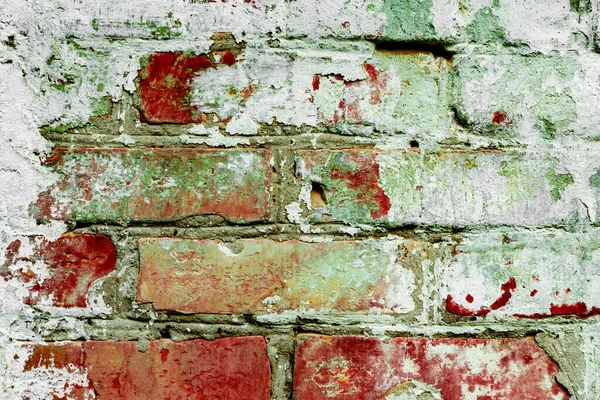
x=342, y=199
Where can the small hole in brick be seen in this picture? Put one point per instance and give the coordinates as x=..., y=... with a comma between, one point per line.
x=413, y=144
x=318, y=198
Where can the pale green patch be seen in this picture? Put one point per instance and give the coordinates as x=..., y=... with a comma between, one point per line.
x=558, y=182
x=409, y=19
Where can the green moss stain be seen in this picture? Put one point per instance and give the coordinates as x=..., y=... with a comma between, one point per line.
x=409, y=19
x=581, y=6
x=95, y=24
x=166, y=30
x=522, y=179
x=485, y=28
x=595, y=185
x=595, y=180
x=555, y=113
x=557, y=182
x=101, y=106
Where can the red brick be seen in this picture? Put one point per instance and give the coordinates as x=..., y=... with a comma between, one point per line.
x=231, y=368
x=165, y=87
x=156, y=185
x=54, y=359
x=54, y=355
x=267, y=276
x=360, y=368
x=74, y=262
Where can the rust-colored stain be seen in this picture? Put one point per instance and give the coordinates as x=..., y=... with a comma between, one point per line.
x=501, y=118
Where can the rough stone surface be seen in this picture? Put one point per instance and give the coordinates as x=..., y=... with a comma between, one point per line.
x=350, y=367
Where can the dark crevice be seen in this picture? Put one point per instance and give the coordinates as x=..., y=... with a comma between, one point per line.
x=318, y=197
x=437, y=49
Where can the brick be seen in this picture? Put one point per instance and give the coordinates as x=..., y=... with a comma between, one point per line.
x=165, y=86
x=54, y=356
x=55, y=371
x=528, y=98
x=524, y=275
x=391, y=20
x=232, y=368
x=350, y=367
x=399, y=187
x=508, y=22
x=354, y=90
x=125, y=185
x=73, y=262
x=261, y=275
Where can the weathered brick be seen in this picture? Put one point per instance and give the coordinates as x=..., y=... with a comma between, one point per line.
x=529, y=98
x=353, y=90
x=69, y=266
x=56, y=372
x=232, y=368
x=509, y=22
x=262, y=276
x=157, y=185
x=59, y=355
x=526, y=275
x=444, y=188
x=350, y=367
x=165, y=86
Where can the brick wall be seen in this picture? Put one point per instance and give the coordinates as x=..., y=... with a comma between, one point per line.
x=275, y=199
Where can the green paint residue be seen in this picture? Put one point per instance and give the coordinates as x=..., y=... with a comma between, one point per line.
x=595, y=180
x=319, y=282
x=522, y=179
x=164, y=31
x=558, y=182
x=347, y=185
x=555, y=113
x=100, y=106
x=134, y=185
x=524, y=89
x=486, y=28
x=581, y=6
x=409, y=19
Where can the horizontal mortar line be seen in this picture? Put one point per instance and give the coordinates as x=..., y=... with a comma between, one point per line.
x=305, y=141
x=199, y=329
x=175, y=141
x=336, y=229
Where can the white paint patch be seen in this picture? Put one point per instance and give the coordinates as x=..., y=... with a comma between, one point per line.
x=214, y=139
x=226, y=250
